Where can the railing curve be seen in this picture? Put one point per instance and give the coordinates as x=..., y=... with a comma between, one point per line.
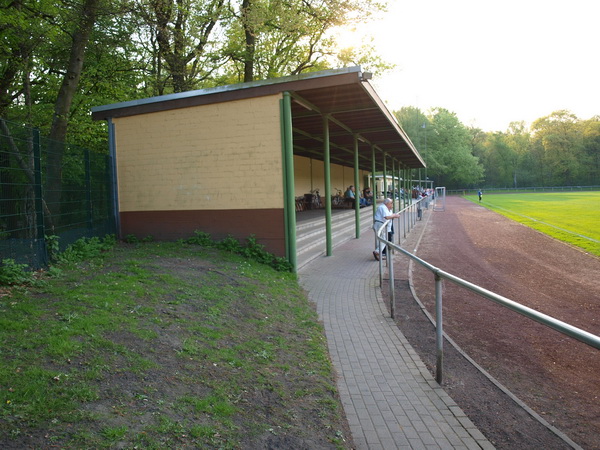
x=439, y=274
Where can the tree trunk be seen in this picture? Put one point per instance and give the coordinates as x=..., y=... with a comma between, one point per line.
x=250, y=41
x=63, y=104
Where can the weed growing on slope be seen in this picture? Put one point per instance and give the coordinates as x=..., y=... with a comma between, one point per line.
x=165, y=345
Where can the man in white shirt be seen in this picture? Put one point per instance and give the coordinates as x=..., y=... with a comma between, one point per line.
x=383, y=213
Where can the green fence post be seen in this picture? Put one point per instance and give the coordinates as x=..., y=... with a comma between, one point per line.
x=111, y=224
x=39, y=203
x=88, y=188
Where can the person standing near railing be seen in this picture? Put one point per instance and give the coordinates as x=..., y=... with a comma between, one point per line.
x=383, y=213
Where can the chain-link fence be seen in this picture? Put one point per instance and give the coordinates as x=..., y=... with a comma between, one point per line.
x=49, y=188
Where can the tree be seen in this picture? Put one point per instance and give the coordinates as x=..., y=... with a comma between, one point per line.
x=84, y=17
x=24, y=34
x=518, y=139
x=478, y=139
x=560, y=144
x=416, y=125
x=445, y=144
x=273, y=38
x=501, y=161
x=448, y=156
x=590, y=130
x=181, y=36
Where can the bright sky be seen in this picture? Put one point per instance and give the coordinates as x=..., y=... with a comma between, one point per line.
x=491, y=62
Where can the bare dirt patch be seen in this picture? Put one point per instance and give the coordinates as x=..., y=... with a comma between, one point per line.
x=226, y=356
x=553, y=374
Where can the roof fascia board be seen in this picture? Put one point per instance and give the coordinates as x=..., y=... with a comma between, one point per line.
x=369, y=89
x=311, y=80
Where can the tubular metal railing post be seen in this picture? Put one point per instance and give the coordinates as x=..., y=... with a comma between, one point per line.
x=439, y=338
x=562, y=327
x=390, y=260
x=380, y=257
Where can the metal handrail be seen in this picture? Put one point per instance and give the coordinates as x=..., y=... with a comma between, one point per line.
x=562, y=327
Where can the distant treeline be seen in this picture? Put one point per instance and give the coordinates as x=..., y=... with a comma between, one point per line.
x=531, y=189
x=556, y=150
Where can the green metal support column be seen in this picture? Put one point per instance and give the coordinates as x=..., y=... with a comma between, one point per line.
x=373, y=179
x=114, y=188
x=404, y=200
x=384, y=176
x=399, y=184
x=357, y=191
x=407, y=192
x=405, y=186
x=393, y=184
x=289, y=202
x=327, y=176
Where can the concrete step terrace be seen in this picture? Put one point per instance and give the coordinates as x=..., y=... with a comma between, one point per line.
x=311, y=236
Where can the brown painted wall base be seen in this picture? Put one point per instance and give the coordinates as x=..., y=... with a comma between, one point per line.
x=266, y=224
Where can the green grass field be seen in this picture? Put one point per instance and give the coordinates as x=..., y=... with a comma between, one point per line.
x=572, y=217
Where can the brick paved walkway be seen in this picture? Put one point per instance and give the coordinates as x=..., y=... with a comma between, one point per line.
x=390, y=398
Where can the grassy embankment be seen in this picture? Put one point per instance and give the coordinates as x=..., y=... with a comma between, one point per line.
x=164, y=345
x=572, y=217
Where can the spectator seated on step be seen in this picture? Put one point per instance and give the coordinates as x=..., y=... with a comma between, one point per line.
x=368, y=196
x=350, y=196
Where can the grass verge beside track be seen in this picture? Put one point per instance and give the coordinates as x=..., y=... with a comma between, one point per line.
x=571, y=217
x=165, y=345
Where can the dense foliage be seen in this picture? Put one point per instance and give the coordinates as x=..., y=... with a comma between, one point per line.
x=557, y=150
x=60, y=58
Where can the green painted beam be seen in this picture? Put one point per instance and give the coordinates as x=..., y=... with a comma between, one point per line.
x=289, y=204
x=327, y=176
x=356, y=190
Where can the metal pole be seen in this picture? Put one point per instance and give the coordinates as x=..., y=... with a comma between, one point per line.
x=397, y=186
x=393, y=186
x=380, y=260
x=384, y=176
x=112, y=150
x=38, y=198
x=356, y=190
x=410, y=214
x=288, y=182
x=404, y=216
x=439, y=339
x=390, y=259
x=88, y=188
x=327, y=175
x=373, y=179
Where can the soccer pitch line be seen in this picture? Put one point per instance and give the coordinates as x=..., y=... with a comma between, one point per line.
x=545, y=223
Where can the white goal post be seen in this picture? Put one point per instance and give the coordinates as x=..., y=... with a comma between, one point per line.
x=440, y=199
